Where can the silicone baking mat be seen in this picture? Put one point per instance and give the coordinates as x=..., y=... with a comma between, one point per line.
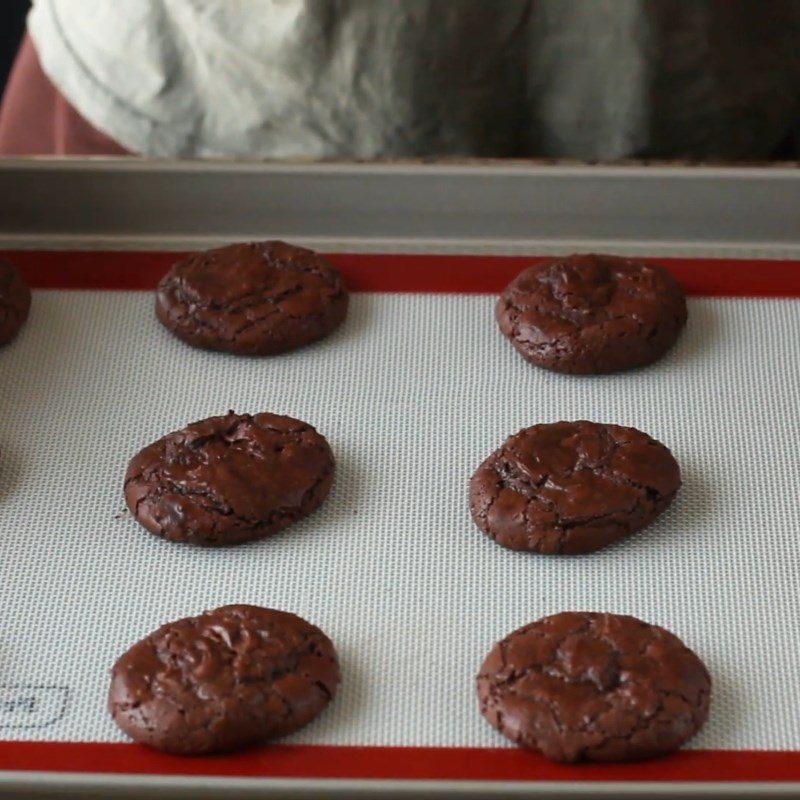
x=412, y=393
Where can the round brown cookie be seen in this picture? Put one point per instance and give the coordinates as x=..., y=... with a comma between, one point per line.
x=226, y=480
x=15, y=301
x=592, y=314
x=253, y=299
x=594, y=687
x=225, y=680
x=572, y=487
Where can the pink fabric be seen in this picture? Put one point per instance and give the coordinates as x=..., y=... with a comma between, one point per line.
x=36, y=120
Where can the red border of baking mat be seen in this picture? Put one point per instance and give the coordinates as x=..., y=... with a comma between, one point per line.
x=368, y=272
x=396, y=763
x=399, y=273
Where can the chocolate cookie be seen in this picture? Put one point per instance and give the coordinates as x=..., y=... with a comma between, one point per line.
x=572, y=487
x=253, y=299
x=225, y=680
x=15, y=301
x=594, y=687
x=592, y=314
x=229, y=479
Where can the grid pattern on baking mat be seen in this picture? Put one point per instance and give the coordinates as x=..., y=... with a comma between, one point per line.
x=412, y=393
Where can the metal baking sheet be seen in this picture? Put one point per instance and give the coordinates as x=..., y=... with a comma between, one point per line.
x=418, y=370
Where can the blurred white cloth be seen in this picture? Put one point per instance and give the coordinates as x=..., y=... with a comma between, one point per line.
x=315, y=79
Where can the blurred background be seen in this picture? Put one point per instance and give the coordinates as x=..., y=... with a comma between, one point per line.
x=590, y=80
x=12, y=26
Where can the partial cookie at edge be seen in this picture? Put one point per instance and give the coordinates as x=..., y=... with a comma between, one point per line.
x=15, y=301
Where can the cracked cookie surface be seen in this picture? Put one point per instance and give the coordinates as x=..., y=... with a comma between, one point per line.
x=572, y=487
x=592, y=314
x=224, y=680
x=15, y=301
x=259, y=298
x=583, y=686
x=229, y=479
